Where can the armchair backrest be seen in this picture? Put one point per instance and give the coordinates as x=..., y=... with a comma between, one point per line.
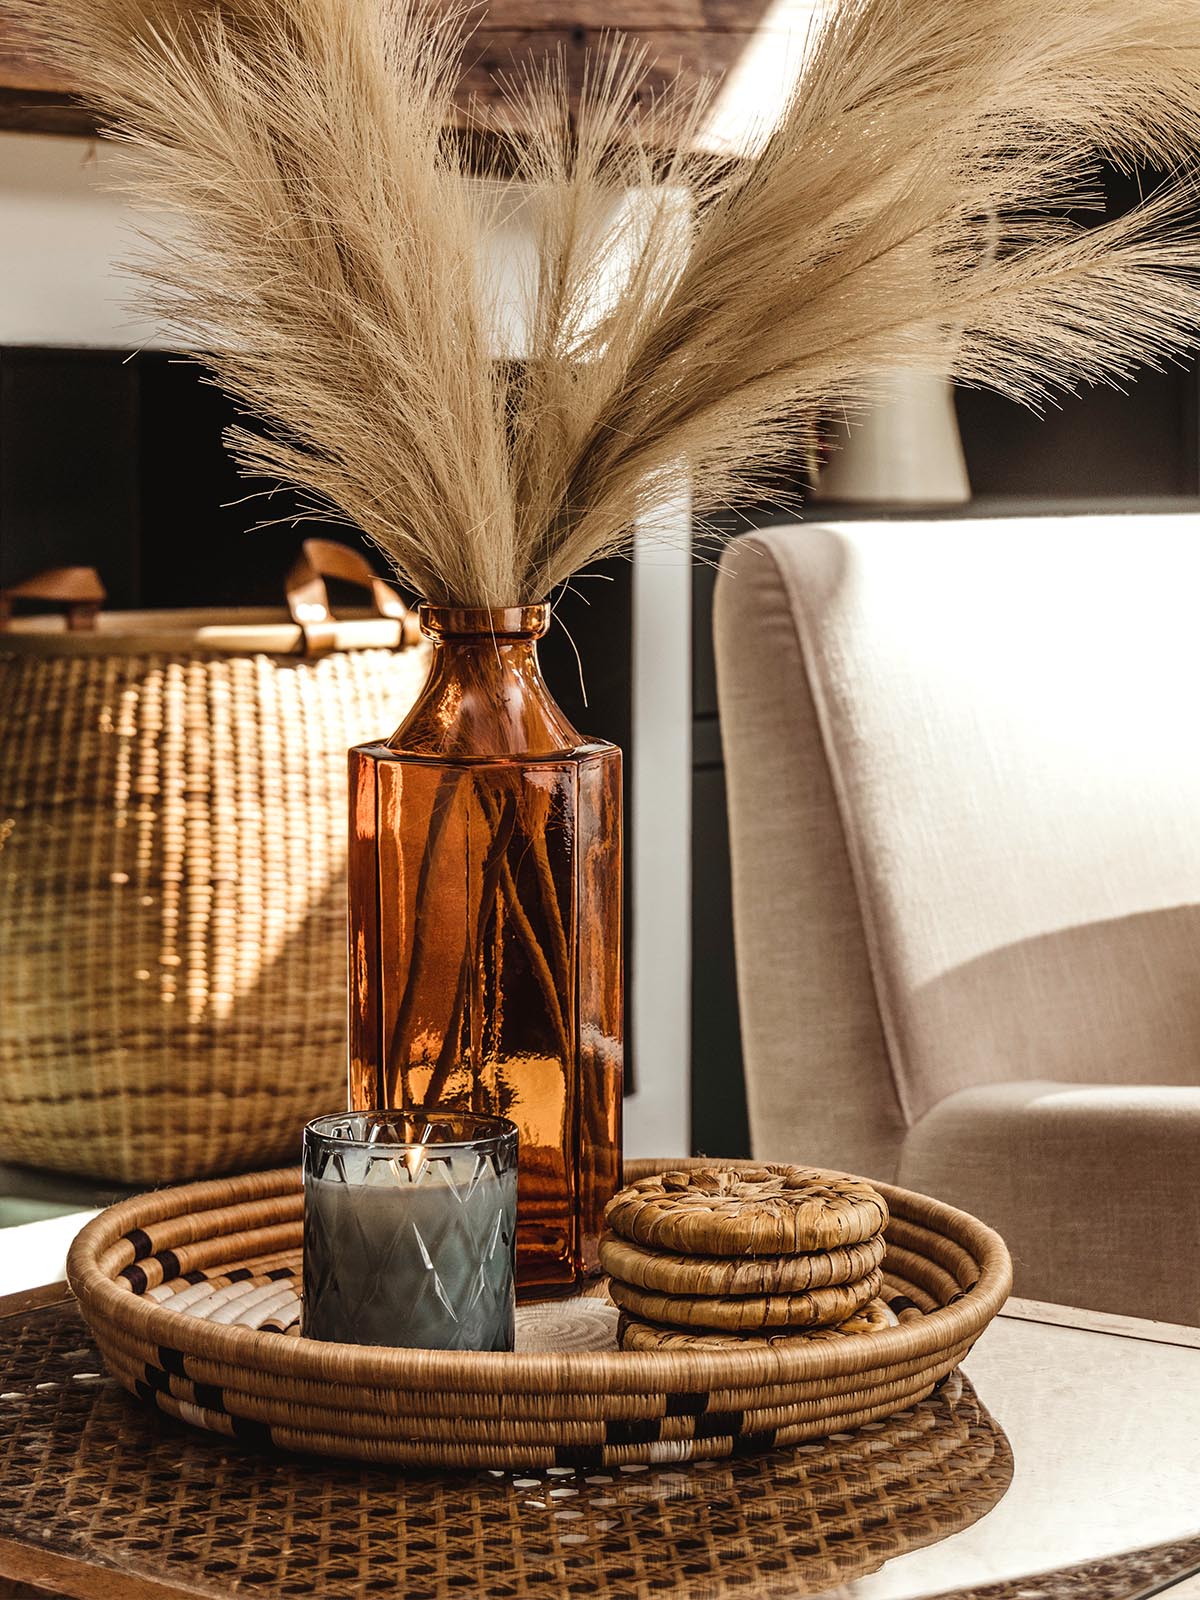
x=963, y=763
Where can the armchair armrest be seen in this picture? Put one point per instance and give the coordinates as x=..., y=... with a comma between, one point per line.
x=1095, y=1188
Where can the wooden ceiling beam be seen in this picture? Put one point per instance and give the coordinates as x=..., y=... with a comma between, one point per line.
x=698, y=38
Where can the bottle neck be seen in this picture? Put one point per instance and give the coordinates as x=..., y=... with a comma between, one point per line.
x=485, y=695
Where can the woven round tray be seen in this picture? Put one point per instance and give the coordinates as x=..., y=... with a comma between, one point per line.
x=147, y=1271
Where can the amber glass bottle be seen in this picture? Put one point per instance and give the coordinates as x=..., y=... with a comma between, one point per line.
x=485, y=926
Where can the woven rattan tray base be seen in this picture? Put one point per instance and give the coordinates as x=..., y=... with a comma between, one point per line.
x=139, y=1267
x=130, y=1497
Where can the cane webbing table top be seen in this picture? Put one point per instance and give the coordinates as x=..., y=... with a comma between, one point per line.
x=101, y=1497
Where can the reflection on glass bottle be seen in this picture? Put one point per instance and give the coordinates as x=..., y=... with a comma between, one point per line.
x=485, y=926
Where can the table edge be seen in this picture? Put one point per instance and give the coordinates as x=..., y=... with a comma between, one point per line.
x=1108, y=1322
x=56, y=1574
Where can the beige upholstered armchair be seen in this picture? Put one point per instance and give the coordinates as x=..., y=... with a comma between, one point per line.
x=963, y=762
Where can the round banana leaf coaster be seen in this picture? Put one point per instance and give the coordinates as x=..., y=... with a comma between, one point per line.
x=191, y=1295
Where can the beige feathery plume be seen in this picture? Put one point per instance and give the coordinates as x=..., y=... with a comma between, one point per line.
x=691, y=320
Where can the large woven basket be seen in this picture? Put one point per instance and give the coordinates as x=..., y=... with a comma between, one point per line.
x=172, y=861
x=223, y=1370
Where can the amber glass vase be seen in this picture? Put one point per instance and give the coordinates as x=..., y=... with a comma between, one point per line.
x=485, y=926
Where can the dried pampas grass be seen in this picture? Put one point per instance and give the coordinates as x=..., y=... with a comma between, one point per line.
x=909, y=209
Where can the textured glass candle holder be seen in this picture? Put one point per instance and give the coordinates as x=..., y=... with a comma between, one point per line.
x=410, y=1229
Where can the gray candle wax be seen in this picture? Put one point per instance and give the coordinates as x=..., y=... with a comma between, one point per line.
x=410, y=1249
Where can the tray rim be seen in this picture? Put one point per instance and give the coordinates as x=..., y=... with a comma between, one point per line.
x=688, y=1371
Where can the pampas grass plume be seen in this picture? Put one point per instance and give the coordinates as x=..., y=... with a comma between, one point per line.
x=692, y=318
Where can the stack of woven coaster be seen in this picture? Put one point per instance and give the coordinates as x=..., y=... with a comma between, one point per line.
x=711, y=1255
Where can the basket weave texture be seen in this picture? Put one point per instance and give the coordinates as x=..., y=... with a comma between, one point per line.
x=172, y=901
x=947, y=1275
x=86, y=1472
x=715, y=1275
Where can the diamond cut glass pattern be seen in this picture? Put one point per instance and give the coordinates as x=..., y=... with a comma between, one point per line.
x=410, y=1229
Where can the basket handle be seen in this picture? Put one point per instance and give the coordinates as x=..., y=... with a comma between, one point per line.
x=308, y=597
x=75, y=590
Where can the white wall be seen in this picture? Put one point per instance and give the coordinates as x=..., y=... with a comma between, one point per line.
x=658, y=1024
x=61, y=235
